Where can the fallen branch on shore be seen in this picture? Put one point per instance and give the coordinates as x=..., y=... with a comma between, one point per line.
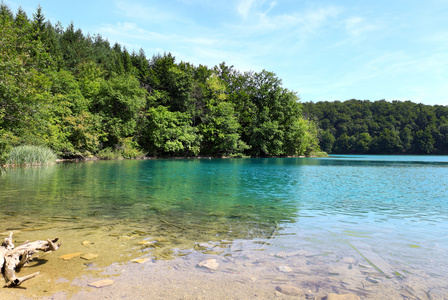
x=12, y=258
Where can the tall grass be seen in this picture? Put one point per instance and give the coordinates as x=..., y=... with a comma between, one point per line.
x=31, y=155
x=318, y=154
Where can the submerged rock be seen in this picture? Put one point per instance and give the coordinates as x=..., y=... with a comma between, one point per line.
x=206, y=245
x=289, y=290
x=210, y=264
x=310, y=296
x=333, y=296
x=348, y=260
x=281, y=254
x=101, y=283
x=89, y=256
x=297, y=253
x=372, y=280
x=141, y=260
x=284, y=269
x=145, y=243
x=70, y=256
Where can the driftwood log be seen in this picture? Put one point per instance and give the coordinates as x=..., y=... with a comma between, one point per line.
x=12, y=258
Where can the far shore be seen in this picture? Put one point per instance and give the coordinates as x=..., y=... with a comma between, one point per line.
x=94, y=158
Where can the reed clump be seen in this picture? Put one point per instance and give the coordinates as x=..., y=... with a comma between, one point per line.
x=31, y=155
x=318, y=154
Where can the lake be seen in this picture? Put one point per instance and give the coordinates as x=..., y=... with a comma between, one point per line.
x=375, y=226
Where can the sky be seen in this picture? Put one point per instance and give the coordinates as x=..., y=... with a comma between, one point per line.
x=323, y=50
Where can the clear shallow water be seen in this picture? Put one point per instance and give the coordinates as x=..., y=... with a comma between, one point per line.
x=394, y=207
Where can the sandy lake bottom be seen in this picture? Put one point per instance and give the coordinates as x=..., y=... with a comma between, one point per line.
x=143, y=267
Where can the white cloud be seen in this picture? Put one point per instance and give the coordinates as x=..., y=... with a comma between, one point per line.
x=260, y=18
x=149, y=13
x=352, y=25
x=357, y=26
x=244, y=7
x=130, y=31
x=315, y=18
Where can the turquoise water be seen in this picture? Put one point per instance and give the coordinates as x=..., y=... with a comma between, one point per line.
x=406, y=193
x=398, y=205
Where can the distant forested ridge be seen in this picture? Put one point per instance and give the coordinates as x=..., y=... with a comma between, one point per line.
x=81, y=96
x=380, y=127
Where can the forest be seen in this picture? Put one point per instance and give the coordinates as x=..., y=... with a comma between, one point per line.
x=380, y=127
x=81, y=96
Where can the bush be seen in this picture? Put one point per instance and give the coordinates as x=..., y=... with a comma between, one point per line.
x=318, y=154
x=130, y=149
x=5, y=149
x=126, y=149
x=31, y=155
x=109, y=154
x=132, y=153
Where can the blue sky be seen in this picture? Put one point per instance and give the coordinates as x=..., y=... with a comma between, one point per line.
x=323, y=50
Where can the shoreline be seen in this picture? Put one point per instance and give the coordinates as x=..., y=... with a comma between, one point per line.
x=95, y=158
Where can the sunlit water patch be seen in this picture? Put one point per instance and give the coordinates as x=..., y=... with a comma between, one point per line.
x=350, y=224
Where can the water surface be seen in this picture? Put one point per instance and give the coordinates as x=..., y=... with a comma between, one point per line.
x=388, y=213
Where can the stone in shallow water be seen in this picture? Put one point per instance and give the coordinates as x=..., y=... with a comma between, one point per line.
x=297, y=253
x=89, y=256
x=101, y=283
x=373, y=280
x=144, y=243
x=310, y=296
x=284, y=269
x=348, y=260
x=206, y=245
x=85, y=243
x=209, y=264
x=289, y=290
x=281, y=254
x=333, y=296
x=141, y=260
x=70, y=256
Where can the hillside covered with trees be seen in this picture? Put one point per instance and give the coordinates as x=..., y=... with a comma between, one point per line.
x=81, y=96
x=380, y=127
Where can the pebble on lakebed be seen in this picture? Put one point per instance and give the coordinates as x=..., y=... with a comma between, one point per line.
x=101, y=283
x=333, y=296
x=289, y=290
x=210, y=264
x=70, y=256
x=89, y=256
x=284, y=269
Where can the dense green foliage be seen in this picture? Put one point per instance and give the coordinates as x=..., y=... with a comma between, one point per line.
x=80, y=96
x=380, y=127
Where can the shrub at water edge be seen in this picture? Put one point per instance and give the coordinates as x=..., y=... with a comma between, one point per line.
x=318, y=154
x=31, y=155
